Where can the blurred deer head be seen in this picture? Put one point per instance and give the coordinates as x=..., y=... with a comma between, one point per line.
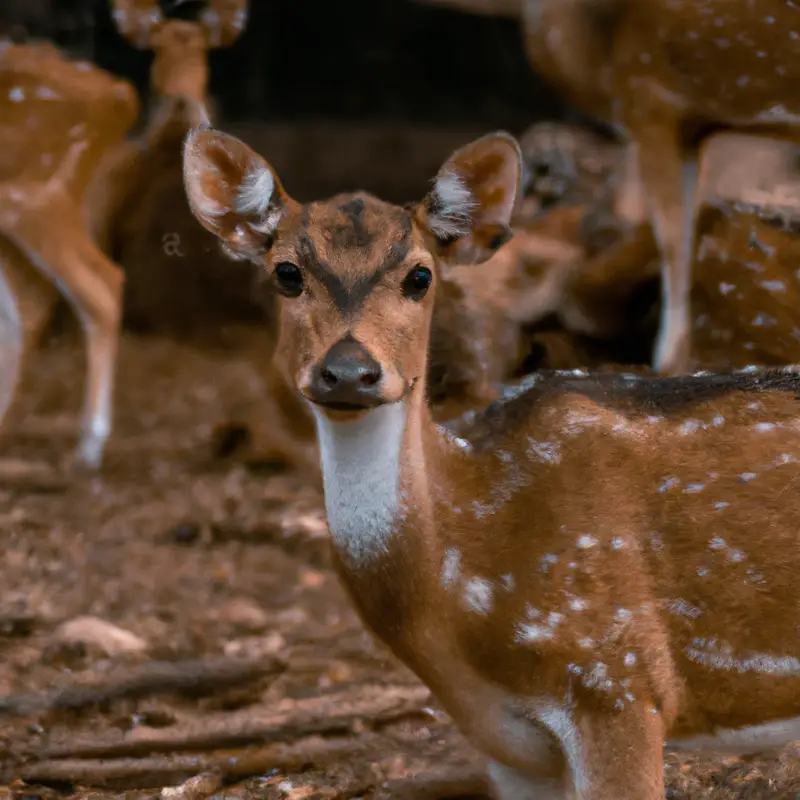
x=180, y=45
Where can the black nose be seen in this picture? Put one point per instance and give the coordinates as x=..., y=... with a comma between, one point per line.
x=348, y=376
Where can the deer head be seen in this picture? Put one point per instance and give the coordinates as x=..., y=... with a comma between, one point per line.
x=180, y=45
x=362, y=269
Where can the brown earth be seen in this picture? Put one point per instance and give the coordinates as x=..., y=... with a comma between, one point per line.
x=239, y=659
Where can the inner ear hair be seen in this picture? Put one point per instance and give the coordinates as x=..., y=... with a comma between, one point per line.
x=257, y=200
x=450, y=206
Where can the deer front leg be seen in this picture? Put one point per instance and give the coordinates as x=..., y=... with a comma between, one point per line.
x=669, y=183
x=614, y=756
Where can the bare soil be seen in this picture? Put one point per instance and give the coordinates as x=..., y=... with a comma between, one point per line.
x=240, y=665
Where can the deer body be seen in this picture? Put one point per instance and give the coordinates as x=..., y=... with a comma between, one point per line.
x=604, y=565
x=59, y=119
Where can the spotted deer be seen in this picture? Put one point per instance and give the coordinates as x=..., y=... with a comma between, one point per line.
x=178, y=281
x=664, y=72
x=58, y=117
x=607, y=565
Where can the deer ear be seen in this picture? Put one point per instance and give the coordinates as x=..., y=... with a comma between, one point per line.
x=233, y=192
x=473, y=197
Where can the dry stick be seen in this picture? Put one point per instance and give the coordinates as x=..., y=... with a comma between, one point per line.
x=332, y=713
x=170, y=770
x=155, y=677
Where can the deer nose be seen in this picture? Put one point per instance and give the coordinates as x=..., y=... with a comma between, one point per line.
x=347, y=376
x=348, y=363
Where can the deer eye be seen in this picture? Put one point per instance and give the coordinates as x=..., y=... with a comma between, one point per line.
x=288, y=279
x=417, y=283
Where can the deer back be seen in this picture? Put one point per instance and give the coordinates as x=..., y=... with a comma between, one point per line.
x=58, y=117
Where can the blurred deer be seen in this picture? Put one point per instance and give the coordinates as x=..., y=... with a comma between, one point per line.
x=57, y=119
x=663, y=74
x=178, y=279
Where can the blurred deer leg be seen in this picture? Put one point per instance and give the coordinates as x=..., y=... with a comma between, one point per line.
x=93, y=286
x=670, y=183
x=11, y=341
x=630, y=202
x=99, y=308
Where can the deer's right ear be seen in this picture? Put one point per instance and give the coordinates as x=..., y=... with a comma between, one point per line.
x=233, y=192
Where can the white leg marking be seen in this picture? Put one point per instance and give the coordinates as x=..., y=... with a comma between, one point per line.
x=676, y=312
x=361, y=478
x=97, y=424
x=11, y=344
x=508, y=784
x=744, y=741
x=559, y=722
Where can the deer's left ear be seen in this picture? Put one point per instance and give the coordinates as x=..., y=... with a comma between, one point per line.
x=469, y=207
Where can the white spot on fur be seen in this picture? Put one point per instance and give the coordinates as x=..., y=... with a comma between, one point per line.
x=451, y=567
x=630, y=659
x=721, y=656
x=683, y=608
x=717, y=543
x=453, y=206
x=478, y=595
x=578, y=604
x=16, y=95
x=509, y=582
x=617, y=543
x=586, y=541
x=361, y=477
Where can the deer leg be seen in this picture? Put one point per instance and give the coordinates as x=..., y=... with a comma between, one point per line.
x=509, y=784
x=93, y=286
x=616, y=756
x=100, y=314
x=670, y=183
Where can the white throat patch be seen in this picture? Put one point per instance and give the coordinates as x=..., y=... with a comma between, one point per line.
x=361, y=477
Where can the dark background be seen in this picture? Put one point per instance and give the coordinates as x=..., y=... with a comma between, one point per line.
x=307, y=60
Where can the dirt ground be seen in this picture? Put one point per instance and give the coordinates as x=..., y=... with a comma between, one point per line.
x=237, y=657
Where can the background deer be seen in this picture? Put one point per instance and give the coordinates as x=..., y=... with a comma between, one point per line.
x=178, y=280
x=57, y=119
x=582, y=581
x=663, y=75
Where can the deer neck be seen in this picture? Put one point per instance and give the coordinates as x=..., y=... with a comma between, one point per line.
x=369, y=468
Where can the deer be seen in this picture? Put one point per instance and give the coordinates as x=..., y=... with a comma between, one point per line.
x=652, y=71
x=560, y=294
x=59, y=117
x=583, y=578
x=139, y=212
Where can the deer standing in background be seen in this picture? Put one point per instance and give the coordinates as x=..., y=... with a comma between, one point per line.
x=57, y=119
x=609, y=564
x=663, y=72
x=178, y=280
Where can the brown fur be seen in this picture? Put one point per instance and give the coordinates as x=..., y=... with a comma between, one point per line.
x=59, y=118
x=611, y=563
x=653, y=70
x=746, y=290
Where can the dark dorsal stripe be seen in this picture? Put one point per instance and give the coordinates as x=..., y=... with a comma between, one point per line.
x=348, y=299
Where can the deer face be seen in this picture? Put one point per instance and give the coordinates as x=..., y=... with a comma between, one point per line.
x=356, y=276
